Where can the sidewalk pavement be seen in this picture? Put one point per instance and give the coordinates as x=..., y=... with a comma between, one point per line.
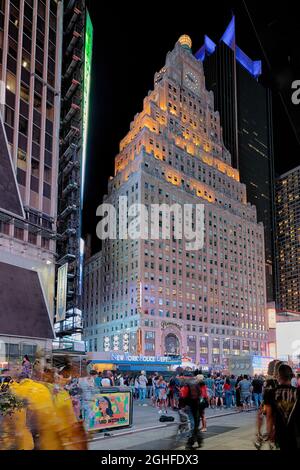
x=147, y=417
x=238, y=439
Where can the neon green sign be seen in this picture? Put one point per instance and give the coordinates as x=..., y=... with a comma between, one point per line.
x=88, y=52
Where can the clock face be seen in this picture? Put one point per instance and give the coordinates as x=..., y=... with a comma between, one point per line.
x=191, y=81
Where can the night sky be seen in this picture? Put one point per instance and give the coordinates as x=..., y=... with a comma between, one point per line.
x=130, y=46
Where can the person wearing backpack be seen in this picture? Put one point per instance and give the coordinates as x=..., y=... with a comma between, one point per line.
x=190, y=395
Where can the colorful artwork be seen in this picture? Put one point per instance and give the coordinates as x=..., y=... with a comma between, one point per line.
x=108, y=410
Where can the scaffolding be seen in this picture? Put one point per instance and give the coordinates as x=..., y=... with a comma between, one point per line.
x=69, y=181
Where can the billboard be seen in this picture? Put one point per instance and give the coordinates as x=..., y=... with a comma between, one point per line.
x=108, y=409
x=61, y=296
x=288, y=340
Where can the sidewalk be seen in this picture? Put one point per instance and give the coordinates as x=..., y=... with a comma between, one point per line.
x=238, y=439
x=147, y=418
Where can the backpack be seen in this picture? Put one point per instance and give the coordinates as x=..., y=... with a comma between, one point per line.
x=219, y=386
x=194, y=392
x=165, y=418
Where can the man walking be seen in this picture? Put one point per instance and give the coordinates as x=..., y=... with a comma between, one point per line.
x=245, y=388
x=257, y=387
x=190, y=395
x=142, y=387
x=282, y=408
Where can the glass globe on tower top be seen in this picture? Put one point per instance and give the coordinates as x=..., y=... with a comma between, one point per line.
x=185, y=41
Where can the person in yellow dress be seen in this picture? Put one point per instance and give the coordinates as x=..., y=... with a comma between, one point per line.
x=47, y=421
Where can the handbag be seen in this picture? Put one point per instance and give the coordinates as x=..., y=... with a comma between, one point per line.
x=203, y=402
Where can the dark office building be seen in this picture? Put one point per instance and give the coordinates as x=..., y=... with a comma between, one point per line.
x=245, y=108
x=29, y=122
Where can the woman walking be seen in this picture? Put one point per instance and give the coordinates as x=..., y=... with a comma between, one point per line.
x=228, y=393
x=162, y=400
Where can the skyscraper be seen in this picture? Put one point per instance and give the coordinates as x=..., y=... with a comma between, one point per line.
x=75, y=86
x=92, y=298
x=158, y=297
x=288, y=240
x=245, y=108
x=30, y=37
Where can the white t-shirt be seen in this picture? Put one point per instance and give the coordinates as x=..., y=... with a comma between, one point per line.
x=143, y=381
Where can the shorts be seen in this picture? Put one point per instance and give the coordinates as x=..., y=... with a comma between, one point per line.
x=210, y=393
x=219, y=394
x=245, y=398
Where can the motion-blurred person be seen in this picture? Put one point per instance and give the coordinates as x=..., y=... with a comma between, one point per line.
x=41, y=416
x=70, y=430
x=26, y=366
x=203, y=400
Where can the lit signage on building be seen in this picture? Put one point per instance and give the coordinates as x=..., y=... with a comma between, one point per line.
x=88, y=52
x=140, y=358
x=288, y=340
x=272, y=317
x=61, y=300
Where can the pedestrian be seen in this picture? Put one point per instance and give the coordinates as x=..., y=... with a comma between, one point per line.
x=246, y=389
x=210, y=385
x=155, y=390
x=239, y=404
x=162, y=394
x=233, y=390
x=98, y=380
x=294, y=381
x=203, y=400
x=219, y=384
x=282, y=408
x=149, y=387
x=136, y=387
x=190, y=394
x=257, y=387
x=174, y=386
x=227, y=393
x=26, y=366
x=142, y=387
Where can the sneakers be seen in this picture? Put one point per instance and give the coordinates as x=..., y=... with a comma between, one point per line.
x=159, y=412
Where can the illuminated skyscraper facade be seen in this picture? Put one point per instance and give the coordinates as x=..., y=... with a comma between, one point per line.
x=157, y=297
x=288, y=240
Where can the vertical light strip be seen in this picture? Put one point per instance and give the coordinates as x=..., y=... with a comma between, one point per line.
x=4, y=54
x=88, y=52
x=31, y=106
x=18, y=86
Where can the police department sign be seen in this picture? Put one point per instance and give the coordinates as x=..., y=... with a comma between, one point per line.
x=139, y=358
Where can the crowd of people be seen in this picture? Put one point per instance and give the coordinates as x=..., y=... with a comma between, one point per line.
x=56, y=402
